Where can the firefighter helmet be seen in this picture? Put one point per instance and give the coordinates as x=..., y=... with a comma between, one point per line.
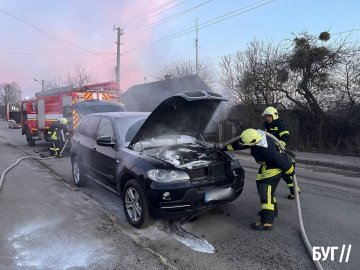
x=250, y=137
x=271, y=111
x=63, y=121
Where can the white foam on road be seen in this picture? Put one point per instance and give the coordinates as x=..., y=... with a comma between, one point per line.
x=193, y=242
x=39, y=245
x=163, y=231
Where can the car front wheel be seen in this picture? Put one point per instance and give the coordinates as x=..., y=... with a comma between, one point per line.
x=78, y=176
x=136, y=207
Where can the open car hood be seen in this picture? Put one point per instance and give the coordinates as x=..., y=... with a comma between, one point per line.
x=184, y=114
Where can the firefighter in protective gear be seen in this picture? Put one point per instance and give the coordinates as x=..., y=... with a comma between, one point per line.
x=275, y=126
x=278, y=128
x=274, y=164
x=58, y=132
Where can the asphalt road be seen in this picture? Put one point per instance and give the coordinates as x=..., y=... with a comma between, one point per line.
x=330, y=204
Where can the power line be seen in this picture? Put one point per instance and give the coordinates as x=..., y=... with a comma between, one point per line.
x=148, y=26
x=99, y=45
x=132, y=20
x=203, y=25
x=97, y=41
x=348, y=31
x=58, y=68
x=45, y=33
x=148, y=17
x=59, y=53
x=140, y=16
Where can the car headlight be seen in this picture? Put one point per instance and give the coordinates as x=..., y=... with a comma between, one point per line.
x=166, y=176
x=235, y=164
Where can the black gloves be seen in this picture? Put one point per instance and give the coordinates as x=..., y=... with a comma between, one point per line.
x=215, y=148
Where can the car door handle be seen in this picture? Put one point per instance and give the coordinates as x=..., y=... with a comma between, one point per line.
x=94, y=148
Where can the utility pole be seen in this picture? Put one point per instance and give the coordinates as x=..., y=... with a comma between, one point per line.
x=120, y=32
x=197, y=46
x=42, y=84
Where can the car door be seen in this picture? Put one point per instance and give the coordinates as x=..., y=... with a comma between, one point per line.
x=88, y=142
x=78, y=142
x=104, y=161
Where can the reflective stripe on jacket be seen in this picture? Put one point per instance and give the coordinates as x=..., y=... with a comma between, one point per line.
x=273, y=162
x=279, y=129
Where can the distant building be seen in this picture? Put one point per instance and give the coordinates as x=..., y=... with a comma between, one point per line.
x=146, y=97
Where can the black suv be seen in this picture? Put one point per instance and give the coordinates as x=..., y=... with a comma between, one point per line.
x=157, y=161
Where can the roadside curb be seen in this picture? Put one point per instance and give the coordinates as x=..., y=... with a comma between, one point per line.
x=324, y=163
x=320, y=163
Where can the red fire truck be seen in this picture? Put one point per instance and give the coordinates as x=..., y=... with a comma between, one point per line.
x=39, y=112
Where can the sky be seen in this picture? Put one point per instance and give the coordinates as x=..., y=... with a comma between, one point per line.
x=45, y=39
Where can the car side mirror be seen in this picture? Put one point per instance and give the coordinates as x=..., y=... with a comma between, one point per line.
x=105, y=141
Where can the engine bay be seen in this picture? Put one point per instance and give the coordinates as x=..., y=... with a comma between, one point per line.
x=188, y=156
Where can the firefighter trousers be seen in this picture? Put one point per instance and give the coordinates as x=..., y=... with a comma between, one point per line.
x=266, y=189
x=289, y=179
x=290, y=183
x=56, y=147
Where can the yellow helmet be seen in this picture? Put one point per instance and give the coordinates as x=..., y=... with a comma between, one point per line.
x=63, y=121
x=271, y=111
x=250, y=136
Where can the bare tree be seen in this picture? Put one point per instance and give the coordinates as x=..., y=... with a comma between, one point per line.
x=9, y=93
x=311, y=65
x=186, y=67
x=255, y=75
x=347, y=78
x=77, y=78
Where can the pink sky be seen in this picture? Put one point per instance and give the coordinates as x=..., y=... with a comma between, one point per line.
x=25, y=53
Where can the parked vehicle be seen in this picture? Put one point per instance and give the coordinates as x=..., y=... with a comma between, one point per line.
x=39, y=112
x=158, y=162
x=13, y=115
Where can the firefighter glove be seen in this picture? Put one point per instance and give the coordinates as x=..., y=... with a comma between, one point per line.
x=282, y=144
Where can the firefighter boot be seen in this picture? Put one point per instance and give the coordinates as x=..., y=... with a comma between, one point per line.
x=292, y=193
x=259, y=226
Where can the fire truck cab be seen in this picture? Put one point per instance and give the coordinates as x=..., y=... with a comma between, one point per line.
x=29, y=120
x=38, y=113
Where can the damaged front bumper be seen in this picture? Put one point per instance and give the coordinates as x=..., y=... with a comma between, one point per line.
x=167, y=203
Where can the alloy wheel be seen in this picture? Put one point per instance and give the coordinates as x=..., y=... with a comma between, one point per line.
x=133, y=204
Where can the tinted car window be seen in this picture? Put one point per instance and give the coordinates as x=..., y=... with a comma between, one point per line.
x=92, y=127
x=127, y=127
x=82, y=125
x=105, y=128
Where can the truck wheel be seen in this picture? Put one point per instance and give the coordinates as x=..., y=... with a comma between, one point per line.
x=136, y=207
x=77, y=173
x=30, y=140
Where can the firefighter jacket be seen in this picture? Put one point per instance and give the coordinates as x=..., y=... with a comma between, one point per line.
x=273, y=161
x=279, y=129
x=57, y=131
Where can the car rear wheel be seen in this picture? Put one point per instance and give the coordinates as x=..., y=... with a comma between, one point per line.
x=136, y=207
x=78, y=176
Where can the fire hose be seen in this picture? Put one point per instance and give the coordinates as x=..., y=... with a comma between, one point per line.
x=297, y=199
x=23, y=158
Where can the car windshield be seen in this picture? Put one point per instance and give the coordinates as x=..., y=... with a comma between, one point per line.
x=128, y=127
